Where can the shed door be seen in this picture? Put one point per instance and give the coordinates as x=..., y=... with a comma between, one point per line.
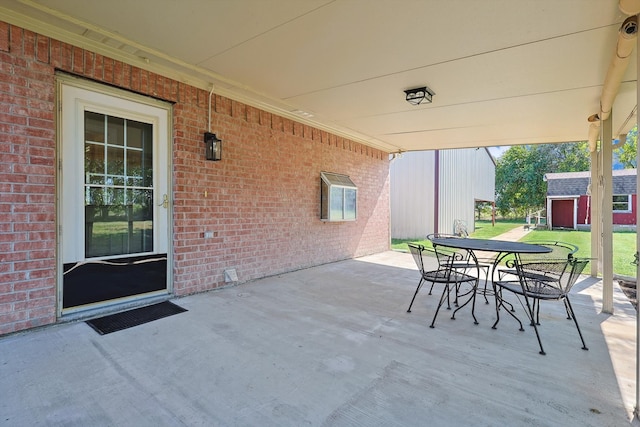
x=114, y=198
x=562, y=211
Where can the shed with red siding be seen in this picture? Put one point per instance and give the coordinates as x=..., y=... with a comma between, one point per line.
x=569, y=199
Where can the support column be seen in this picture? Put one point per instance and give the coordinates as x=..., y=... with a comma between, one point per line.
x=436, y=191
x=596, y=205
x=637, y=410
x=606, y=151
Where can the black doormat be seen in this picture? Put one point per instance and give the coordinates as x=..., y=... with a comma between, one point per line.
x=138, y=316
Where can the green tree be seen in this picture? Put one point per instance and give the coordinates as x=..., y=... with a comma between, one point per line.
x=627, y=153
x=567, y=157
x=520, y=186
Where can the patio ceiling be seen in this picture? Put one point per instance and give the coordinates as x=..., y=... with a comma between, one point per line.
x=504, y=72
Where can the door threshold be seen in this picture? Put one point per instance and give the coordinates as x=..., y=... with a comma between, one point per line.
x=88, y=312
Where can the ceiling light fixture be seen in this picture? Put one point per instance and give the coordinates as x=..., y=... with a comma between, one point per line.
x=419, y=95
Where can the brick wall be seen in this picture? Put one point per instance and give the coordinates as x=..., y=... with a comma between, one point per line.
x=27, y=182
x=261, y=200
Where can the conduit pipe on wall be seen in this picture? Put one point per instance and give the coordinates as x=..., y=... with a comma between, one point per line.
x=622, y=138
x=210, y=95
x=624, y=47
x=594, y=132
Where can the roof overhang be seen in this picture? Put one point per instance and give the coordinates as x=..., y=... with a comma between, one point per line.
x=504, y=72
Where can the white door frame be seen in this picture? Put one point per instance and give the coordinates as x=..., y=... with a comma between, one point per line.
x=74, y=95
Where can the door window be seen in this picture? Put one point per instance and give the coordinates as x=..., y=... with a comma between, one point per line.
x=118, y=185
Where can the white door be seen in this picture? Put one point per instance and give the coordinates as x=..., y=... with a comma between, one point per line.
x=114, y=196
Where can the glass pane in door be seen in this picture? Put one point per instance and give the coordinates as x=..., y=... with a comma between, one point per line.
x=118, y=186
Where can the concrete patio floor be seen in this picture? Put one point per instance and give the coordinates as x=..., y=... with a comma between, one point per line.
x=328, y=346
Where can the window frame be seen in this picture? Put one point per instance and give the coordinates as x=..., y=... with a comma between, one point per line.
x=619, y=202
x=338, y=198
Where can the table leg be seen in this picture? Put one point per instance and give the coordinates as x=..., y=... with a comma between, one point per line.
x=500, y=302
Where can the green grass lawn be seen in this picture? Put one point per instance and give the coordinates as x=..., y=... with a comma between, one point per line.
x=624, y=246
x=484, y=230
x=624, y=243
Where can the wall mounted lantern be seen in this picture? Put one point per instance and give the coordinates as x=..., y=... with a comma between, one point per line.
x=212, y=146
x=419, y=95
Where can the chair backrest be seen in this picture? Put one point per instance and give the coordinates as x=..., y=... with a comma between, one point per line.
x=542, y=270
x=559, y=251
x=572, y=274
x=416, y=251
x=445, y=256
x=558, y=274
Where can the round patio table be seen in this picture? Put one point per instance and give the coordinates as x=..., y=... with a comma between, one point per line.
x=488, y=245
x=502, y=247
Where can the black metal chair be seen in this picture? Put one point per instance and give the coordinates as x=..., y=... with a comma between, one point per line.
x=560, y=251
x=544, y=280
x=467, y=262
x=446, y=275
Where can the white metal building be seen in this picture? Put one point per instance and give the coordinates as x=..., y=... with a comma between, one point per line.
x=432, y=189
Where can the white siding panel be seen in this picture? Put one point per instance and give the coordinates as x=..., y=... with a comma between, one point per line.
x=466, y=175
x=485, y=184
x=412, y=195
x=456, y=193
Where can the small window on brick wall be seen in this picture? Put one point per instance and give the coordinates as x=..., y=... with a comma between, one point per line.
x=338, y=195
x=621, y=203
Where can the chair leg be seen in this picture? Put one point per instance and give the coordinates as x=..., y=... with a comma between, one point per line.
x=570, y=308
x=567, y=309
x=536, y=307
x=473, y=303
x=416, y=293
x=445, y=292
x=455, y=300
x=533, y=323
x=511, y=307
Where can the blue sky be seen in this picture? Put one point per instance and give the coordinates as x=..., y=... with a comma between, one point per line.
x=498, y=151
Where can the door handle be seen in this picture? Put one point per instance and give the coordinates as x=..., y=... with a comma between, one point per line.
x=165, y=201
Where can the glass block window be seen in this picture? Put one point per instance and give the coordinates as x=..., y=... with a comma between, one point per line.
x=338, y=197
